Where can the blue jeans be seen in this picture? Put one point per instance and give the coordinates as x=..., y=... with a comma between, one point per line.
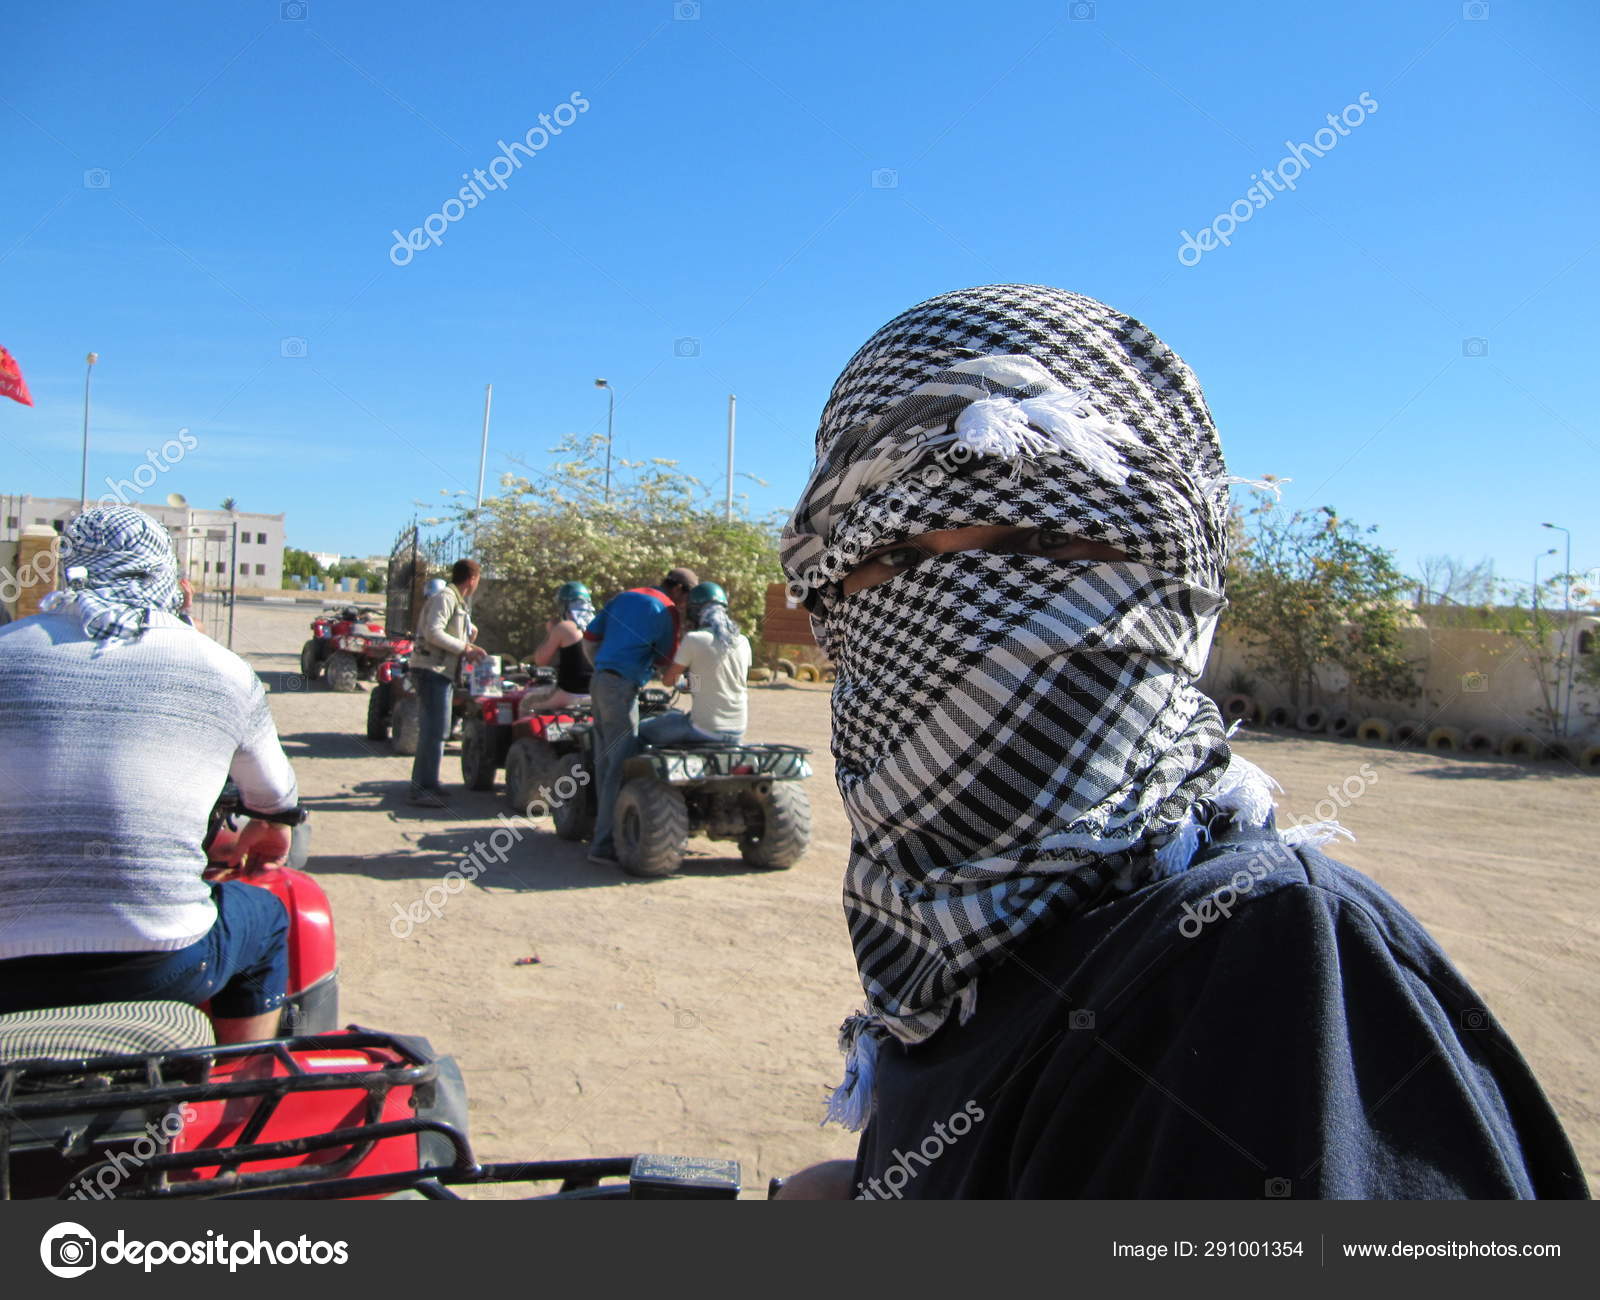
x=433, y=725
x=615, y=701
x=241, y=964
x=674, y=727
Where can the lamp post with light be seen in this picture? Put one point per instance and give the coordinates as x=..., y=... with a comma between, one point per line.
x=83, y=486
x=611, y=410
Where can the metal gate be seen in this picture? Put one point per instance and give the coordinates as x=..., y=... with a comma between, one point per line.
x=208, y=555
x=411, y=559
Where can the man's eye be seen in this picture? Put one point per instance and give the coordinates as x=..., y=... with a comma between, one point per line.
x=898, y=557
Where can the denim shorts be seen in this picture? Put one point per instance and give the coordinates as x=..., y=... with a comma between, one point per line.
x=241, y=965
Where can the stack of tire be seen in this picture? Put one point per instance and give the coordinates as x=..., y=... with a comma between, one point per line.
x=1409, y=733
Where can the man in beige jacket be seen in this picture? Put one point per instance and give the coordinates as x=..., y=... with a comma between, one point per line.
x=444, y=638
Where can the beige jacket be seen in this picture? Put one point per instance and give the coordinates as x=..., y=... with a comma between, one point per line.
x=442, y=632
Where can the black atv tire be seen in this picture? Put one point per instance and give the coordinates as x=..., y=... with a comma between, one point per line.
x=572, y=816
x=652, y=827
x=531, y=765
x=378, y=712
x=786, y=828
x=405, y=725
x=310, y=665
x=343, y=671
x=477, y=756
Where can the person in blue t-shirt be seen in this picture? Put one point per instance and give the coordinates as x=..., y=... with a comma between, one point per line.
x=634, y=634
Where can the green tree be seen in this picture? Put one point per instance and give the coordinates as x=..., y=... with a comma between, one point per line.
x=299, y=564
x=1308, y=590
x=551, y=525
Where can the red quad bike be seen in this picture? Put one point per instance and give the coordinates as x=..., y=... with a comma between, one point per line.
x=134, y=1101
x=392, y=707
x=348, y=647
x=495, y=728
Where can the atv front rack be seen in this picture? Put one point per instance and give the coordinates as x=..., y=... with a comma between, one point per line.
x=74, y=1096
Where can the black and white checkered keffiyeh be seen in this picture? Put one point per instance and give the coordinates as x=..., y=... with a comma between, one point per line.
x=1015, y=737
x=119, y=566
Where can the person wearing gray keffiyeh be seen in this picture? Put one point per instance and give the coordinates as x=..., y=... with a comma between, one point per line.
x=1013, y=547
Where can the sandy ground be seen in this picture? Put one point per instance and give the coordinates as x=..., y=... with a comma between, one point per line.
x=697, y=1015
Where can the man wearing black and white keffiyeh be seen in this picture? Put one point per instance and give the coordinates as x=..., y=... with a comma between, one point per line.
x=1013, y=547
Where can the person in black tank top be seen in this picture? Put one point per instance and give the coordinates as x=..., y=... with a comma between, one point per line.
x=563, y=648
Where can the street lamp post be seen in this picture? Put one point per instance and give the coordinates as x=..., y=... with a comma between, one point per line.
x=1566, y=628
x=611, y=410
x=83, y=486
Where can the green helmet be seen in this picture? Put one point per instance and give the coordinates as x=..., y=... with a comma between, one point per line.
x=569, y=593
x=708, y=593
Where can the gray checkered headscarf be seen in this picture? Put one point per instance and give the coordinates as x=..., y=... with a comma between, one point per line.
x=1015, y=737
x=119, y=566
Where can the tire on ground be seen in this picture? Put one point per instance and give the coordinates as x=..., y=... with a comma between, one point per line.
x=343, y=671
x=310, y=665
x=1279, y=716
x=1373, y=730
x=1240, y=708
x=1519, y=744
x=807, y=673
x=1589, y=760
x=1445, y=739
x=786, y=828
x=1313, y=719
x=1341, y=724
x=477, y=756
x=405, y=725
x=1480, y=742
x=652, y=827
x=572, y=817
x=531, y=766
x=378, y=712
x=758, y=676
x=785, y=666
x=1410, y=732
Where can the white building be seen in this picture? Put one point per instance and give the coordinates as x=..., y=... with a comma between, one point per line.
x=203, y=540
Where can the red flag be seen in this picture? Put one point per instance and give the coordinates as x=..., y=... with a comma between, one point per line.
x=12, y=384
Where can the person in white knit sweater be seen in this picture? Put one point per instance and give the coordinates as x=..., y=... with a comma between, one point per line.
x=119, y=724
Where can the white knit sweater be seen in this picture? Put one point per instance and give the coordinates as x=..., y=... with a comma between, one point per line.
x=111, y=757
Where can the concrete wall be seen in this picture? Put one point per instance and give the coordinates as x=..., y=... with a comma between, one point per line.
x=1471, y=679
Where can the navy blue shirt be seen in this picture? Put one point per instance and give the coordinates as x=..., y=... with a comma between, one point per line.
x=1269, y=1023
x=636, y=631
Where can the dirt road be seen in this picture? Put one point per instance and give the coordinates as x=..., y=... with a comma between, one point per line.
x=698, y=1014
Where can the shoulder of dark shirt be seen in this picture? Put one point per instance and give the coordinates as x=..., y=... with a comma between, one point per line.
x=1239, y=899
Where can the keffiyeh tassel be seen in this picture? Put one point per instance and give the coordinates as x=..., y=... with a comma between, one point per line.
x=850, y=1104
x=1010, y=428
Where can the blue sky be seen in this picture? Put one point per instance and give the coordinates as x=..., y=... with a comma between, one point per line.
x=189, y=185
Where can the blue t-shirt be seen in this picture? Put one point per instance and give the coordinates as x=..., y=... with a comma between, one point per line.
x=636, y=631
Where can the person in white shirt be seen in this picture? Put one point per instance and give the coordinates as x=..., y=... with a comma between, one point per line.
x=716, y=656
